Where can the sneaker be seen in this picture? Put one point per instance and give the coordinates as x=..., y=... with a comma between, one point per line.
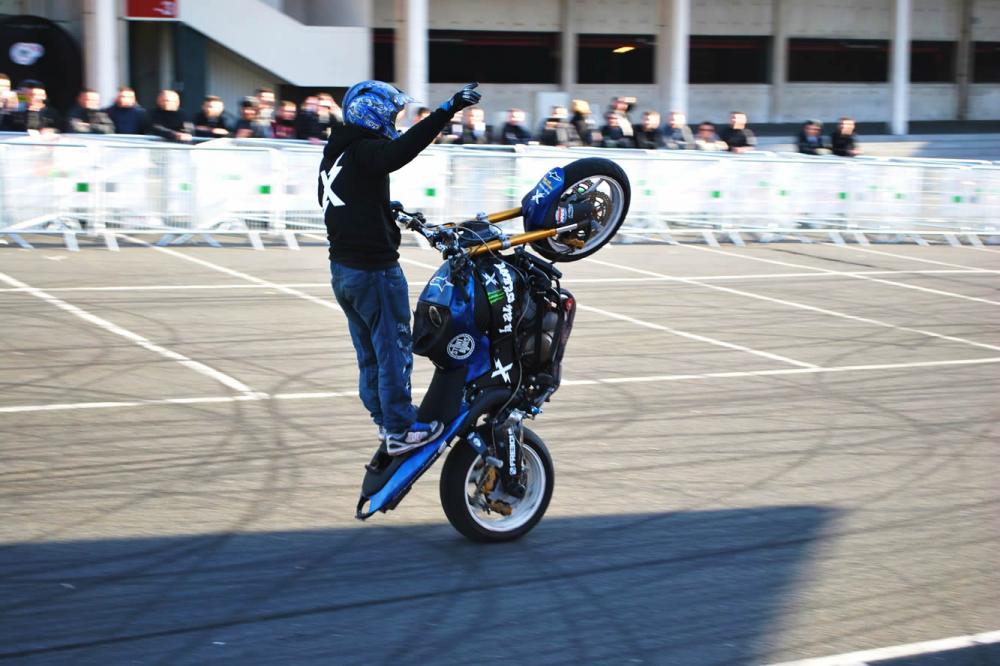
x=417, y=435
x=382, y=433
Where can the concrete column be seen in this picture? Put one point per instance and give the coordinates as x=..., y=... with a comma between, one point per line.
x=167, y=77
x=411, y=49
x=102, y=57
x=899, y=76
x=567, y=47
x=779, y=61
x=963, y=59
x=672, y=42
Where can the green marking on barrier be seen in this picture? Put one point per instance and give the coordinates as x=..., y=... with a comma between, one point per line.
x=185, y=187
x=648, y=192
x=83, y=187
x=761, y=183
x=842, y=195
x=783, y=193
x=430, y=192
x=900, y=195
x=716, y=194
x=265, y=189
x=956, y=199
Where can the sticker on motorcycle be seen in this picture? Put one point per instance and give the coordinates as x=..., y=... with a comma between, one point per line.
x=461, y=347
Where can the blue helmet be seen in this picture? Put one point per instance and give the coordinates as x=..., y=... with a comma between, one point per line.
x=374, y=105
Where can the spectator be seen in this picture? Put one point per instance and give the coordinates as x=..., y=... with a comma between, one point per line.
x=557, y=130
x=265, y=104
x=251, y=125
x=584, y=123
x=452, y=132
x=307, y=125
x=474, y=127
x=649, y=136
x=167, y=120
x=8, y=101
x=212, y=121
x=328, y=114
x=620, y=106
x=127, y=116
x=738, y=137
x=422, y=113
x=34, y=116
x=707, y=139
x=677, y=134
x=842, y=141
x=283, y=125
x=86, y=117
x=513, y=131
x=810, y=140
x=614, y=135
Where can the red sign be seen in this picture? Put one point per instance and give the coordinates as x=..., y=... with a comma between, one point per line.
x=152, y=9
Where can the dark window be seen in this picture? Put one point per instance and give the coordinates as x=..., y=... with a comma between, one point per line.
x=460, y=56
x=384, y=54
x=615, y=58
x=838, y=60
x=986, y=62
x=729, y=59
x=932, y=62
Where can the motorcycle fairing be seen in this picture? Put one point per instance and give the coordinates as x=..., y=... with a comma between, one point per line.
x=535, y=206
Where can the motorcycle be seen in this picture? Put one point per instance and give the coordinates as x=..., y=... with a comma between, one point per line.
x=495, y=324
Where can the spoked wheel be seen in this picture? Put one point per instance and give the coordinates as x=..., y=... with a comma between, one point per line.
x=474, y=501
x=601, y=185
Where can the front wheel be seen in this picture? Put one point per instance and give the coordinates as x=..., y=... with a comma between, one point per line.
x=493, y=516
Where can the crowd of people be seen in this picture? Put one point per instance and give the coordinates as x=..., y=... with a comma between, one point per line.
x=262, y=116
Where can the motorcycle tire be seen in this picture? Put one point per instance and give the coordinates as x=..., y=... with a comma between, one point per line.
x=462, y=468
x=619, y=195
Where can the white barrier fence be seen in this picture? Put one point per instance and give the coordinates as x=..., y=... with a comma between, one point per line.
x=76, y=185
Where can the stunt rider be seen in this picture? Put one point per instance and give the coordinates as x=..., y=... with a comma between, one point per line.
x=364, y=239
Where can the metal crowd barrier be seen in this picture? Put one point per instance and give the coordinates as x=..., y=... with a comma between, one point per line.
x=75, y=185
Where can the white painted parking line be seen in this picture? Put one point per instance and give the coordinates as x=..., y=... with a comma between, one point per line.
x=324, y=395
x=922, y=260
x=330, y=303
x=695, y=336
x=858, y=276
x=865, y=657
x=803, y=306
x=197, y=366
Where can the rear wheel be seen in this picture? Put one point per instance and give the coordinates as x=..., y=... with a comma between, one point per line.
x=476, y=505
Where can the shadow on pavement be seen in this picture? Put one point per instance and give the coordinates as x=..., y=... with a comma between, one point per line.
x=700, y=587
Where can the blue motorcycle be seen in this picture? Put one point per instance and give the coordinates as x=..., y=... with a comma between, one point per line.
x=495, y=324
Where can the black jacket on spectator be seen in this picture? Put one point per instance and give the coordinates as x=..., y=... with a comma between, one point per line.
x=614, y=137
x=557, y=132
x=469, y=135
x=222, y=120
x=308, y=126
x=85, y=121
x=649, y=139
x=168, y=124
x=841, y=144
x=128, y=119
x=810, y=145
x=678, y=138
x=739, y=138
x=261, y=128
x=512, y=134
x=23, y=120
x=586, y=129
x=359, y=224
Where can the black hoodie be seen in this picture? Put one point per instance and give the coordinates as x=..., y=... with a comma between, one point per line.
x=356, y=166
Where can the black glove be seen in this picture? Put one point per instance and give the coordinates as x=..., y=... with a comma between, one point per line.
x=464, y=98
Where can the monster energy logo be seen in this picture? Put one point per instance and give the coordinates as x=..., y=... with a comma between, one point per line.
x=494, y=296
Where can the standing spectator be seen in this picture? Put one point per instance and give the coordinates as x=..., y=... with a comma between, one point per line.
x=557, y=130
x=307, y=125
x=128, y=117
x=620, y=107
x=8, y=101
x=168, y=121
x=843, y=141
x=251, y=125
x=86, y=117
x=584, y=123
x=513, y=131
x=614, y=135
x=212, y=121
x=34, y=116
x=738, y=136
x=422, y=113
x=649, y=136
x=265, y=103
x=328, y=114
x=677, y=134
x=810, y=140
x=452, y=132
x=474, y=127
x=283, y=125
x=707, y=139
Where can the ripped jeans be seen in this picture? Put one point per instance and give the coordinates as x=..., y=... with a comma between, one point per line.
x=377, y=305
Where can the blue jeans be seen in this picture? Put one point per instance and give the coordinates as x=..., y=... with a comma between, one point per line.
x=377, y=305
